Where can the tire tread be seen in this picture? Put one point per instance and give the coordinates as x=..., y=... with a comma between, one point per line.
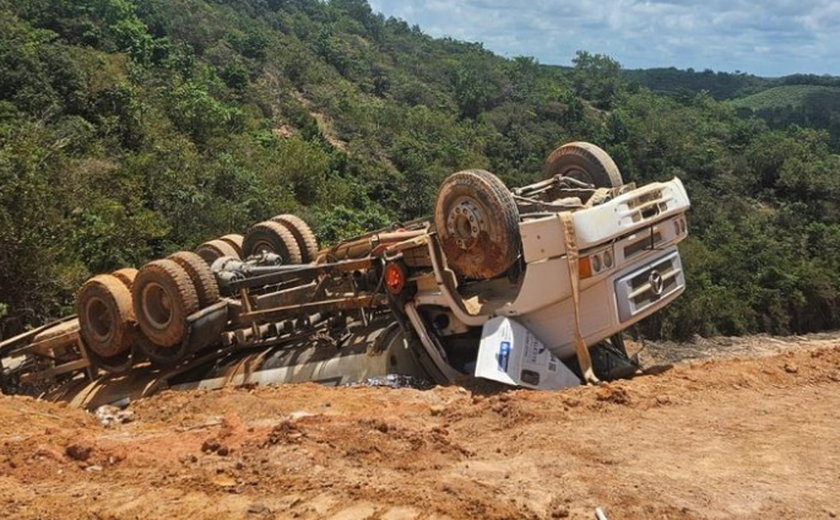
x=305, y=238
x=282, y=241
x=206, y=288
x=171, y=276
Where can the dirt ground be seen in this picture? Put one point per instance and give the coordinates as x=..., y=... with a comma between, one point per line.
x=749, y=437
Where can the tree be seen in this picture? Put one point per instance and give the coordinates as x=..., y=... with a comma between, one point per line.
x=597, y=77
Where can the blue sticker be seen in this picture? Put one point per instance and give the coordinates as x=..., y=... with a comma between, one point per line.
x=504, y=355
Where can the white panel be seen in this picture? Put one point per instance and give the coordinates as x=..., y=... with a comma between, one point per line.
x=545, y=283
x=542, y=238
x=510, y=353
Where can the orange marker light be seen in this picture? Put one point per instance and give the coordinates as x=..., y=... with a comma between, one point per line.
x=584, y=267
x=394, y=278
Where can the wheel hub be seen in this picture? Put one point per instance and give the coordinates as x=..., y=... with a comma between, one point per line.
x=157, y=305
x=100, y=320
x=465, y=223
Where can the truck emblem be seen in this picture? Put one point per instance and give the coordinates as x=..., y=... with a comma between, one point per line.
x=656, y=283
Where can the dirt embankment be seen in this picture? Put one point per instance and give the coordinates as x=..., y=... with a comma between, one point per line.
x=754, y=438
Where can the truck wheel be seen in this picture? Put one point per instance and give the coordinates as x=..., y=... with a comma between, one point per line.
x=163, y=297
x=235, y=241
x=584, y=162
x=215, y=249
x=105, y=316
x=478, y=224
x=303, y=234
x=201, y=276
x=271, y=237
x=126, y=275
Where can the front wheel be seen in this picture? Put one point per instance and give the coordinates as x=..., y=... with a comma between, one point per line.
x=477, y=222
x=584, y=162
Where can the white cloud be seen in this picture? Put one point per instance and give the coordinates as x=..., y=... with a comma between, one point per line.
x=774, y=37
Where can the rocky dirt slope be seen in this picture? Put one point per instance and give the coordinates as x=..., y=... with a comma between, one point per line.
x=751, y=437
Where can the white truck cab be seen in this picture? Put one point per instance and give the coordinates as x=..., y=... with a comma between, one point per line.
x=585, y=273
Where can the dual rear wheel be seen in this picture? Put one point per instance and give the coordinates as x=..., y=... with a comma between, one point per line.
x=106, y=320
x=215, y=249
x=285, y=235
x=165, y=293
x=144, y=311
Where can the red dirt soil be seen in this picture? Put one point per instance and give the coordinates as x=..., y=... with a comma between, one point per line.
x=749, y=438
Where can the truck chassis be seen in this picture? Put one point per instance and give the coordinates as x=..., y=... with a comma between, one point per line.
x=572, y=260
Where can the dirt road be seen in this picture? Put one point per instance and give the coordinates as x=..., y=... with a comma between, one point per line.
x=756, y=437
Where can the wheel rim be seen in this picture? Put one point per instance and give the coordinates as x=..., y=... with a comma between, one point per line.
x=99, y=319
x=465, y=223
x=263, y=247
x=157, y=305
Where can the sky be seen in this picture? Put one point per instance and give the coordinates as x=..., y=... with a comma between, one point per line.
x=762, y=37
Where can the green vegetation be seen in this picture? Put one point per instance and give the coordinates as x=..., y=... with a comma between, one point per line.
x=131, y=129
x=804, y=100
x=787, y=96
x=721, y=85
x=816, y=106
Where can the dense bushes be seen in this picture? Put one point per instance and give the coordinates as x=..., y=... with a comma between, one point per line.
x=130, y=129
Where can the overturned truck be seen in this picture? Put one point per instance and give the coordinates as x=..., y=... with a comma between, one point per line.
x=529, y=286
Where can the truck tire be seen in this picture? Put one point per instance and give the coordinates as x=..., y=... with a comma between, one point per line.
x=215, y=249
x=271, y=237
x=477, y=222
x=584, y=162
x=235, y=241
x=303, y=234
x=126, y=275
x=105, y=316
x=201, y=276
x=163, y=296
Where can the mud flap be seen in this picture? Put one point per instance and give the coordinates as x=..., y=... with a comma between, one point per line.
x=512, y=354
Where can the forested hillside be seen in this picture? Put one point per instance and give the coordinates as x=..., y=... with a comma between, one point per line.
x=721, y=85
x=790, y=96
x=806, y=100
x=132, y=128
x=812, y=105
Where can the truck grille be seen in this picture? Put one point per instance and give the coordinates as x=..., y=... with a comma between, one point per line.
x=646, y=206
x=644, y=288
